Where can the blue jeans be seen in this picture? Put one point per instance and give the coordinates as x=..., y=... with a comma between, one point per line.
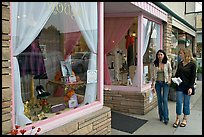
x=184, y=99
x=162, y=100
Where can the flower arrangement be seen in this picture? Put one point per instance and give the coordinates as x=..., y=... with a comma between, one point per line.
x=45, y=105
x=68, y=95
x=18, y=131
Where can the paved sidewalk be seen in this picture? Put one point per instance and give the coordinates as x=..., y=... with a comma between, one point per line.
x=155, y=127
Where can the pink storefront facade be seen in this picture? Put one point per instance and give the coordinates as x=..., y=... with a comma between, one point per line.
x=148, y=22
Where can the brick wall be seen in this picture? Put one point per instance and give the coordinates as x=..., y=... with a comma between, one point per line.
x=97, y=123
x=167, y=35
x=129, y=102
x=6, y=70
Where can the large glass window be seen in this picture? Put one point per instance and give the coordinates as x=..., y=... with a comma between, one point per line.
x=58, y=67
x=151, y=44
x=174, y=49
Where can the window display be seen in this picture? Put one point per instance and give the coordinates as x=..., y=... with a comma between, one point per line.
x=63, y=49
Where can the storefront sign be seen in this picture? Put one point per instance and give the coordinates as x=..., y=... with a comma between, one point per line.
x=64, y=7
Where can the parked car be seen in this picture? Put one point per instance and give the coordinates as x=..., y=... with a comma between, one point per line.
x=80, y=61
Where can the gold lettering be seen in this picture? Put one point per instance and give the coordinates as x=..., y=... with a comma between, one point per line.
x=64, y=7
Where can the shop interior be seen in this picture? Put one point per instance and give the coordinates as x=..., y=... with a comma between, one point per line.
x=122, y=60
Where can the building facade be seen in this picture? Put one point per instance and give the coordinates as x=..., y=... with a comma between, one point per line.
x=125, y=39
x=36, y=93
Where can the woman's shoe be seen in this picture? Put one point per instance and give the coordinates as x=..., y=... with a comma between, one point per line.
x=176, y=123
x=45, y=93
x=166, y=122
x=41, y=92
x=183, y=123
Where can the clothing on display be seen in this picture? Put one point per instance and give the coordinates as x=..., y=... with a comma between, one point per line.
x=129, y=47
x=31, y=60
x=129, y=41
x=130, y=60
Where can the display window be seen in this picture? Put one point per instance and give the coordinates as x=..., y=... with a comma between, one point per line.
x=189, y=41
x=120, y=50
x=174, y=49
x=55, y=59
x=152, y=43
x=123, y=56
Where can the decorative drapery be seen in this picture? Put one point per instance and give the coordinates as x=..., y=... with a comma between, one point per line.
x=70, y=40
x=85, y=14
x=115, y=30
x=148, y=28
x=26, y=24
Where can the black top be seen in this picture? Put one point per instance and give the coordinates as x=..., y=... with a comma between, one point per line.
x=187, y=73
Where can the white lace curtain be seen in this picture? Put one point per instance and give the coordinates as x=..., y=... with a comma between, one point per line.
x=27, y=20
x=85, y=14
x=148, y=28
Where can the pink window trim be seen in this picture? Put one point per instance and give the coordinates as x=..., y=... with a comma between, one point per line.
x=100, y=51
x=12, y=75
x=152, y=9
x=142, y=86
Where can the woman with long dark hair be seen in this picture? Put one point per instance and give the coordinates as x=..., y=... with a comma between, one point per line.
x=161, y=78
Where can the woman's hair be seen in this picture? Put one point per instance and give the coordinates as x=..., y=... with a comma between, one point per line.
x=164, y=60
x=188, y=56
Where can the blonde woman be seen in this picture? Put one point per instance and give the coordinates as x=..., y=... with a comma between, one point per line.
x=161, y=79
x=186, y=70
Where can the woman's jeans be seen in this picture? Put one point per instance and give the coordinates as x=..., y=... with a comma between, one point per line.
x=184, y=99
x=162, y=99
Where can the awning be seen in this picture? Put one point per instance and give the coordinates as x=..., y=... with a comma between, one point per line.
x=152, y=9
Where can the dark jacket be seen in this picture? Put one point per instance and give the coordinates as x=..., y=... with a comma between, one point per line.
x=187, y=74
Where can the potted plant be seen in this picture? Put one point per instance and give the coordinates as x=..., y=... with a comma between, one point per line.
x=199, y=73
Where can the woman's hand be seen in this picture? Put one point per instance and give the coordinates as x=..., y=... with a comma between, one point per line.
x=169, y=81
x=190, y=91
x=152, y=85
x=153, y=90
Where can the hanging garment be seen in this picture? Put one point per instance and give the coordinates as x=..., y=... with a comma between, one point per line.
x=129, y=47
x=129, y=41
x=130, y=57
x=31, y=60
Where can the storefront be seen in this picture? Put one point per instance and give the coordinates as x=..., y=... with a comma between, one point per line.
x=182, y=31
x=133, y=34
x=56, y=67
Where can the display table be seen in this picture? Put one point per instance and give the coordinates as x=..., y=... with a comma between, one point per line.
x=73, y=85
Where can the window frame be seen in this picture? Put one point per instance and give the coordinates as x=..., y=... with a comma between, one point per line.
x=66, y=117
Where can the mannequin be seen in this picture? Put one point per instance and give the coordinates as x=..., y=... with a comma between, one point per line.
x=129, y=47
